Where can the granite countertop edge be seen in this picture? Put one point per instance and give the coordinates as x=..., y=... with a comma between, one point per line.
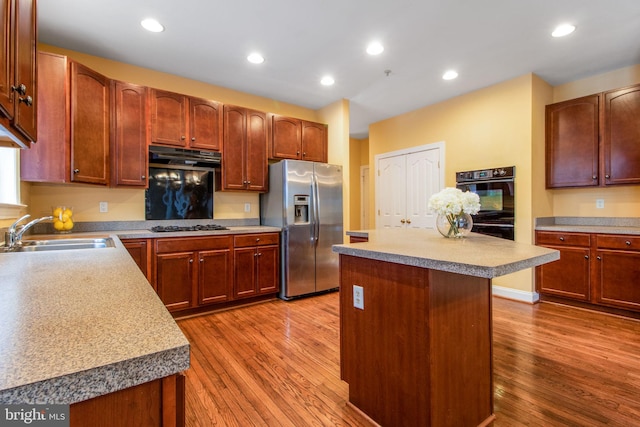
x=606, y=225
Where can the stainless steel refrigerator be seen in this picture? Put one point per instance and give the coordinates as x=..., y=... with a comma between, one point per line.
x=305, y=201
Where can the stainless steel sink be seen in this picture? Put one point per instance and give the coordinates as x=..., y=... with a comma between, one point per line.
x=64, y=244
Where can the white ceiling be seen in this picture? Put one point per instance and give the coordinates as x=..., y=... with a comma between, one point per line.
x=486, y=41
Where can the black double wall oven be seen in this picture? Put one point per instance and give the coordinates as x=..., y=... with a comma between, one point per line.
x=496, y=189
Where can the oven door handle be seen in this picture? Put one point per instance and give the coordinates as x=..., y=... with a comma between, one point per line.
x=486, y=181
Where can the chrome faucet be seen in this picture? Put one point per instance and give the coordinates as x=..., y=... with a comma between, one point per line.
x=13, y=236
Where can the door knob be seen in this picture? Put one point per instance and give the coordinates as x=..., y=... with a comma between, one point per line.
x=21, y=89
x=402, y=220
x=408, y=221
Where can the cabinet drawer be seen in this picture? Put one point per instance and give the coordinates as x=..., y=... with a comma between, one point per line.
x=562, y=239
x=245, y=240
x=180, y=244
x=611, y=241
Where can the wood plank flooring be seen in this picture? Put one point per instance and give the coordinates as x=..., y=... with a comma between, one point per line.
x=277, y=364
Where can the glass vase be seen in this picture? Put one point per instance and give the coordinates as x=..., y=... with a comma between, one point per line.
x=454, y=226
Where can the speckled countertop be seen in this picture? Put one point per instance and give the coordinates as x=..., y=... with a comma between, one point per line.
x=606, y=225
x=76, y=324
x=475, y=255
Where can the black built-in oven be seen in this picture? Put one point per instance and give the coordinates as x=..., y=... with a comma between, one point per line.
x=496, y=189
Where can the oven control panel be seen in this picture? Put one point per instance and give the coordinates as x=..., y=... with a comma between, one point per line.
x=486, y=174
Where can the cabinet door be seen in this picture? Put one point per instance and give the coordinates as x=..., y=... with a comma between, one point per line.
x=314, y=141
x=572, y=135
x=89, y=125
x=257, y=167
x=215, y=276
x=568, y=277
x=234, y=146
x=130, y=131
x=168, y=118
x=205, y=124
x=175, y=274
x=245, y=272
x=621, y=136
x=268, y=267
x=618, y=274
x=49, y=159
x=286, y=138
x=25, y=119
x=6, y=95
x=139, y=251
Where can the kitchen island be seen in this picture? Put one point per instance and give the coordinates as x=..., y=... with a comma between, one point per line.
x=83, y=327
x=416, y=328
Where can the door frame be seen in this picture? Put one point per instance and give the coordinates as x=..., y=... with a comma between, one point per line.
x=440, y=145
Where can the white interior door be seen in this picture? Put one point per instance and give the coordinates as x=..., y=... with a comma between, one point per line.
x=391, y=184
x=405, y=180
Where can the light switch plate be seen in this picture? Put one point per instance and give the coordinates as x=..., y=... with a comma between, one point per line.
x=247, y=207
x=600, y=203
x=358, y=297
x=104, y=207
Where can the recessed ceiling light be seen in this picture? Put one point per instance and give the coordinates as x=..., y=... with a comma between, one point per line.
x=152, y=25
x=255, y=58
x=563, y=30
x=375, y=48
x=327, y=81
x=450, y=75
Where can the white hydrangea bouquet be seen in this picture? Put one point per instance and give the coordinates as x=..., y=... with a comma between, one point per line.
x=451, y=204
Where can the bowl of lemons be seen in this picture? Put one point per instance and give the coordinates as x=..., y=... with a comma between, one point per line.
x=62, y=219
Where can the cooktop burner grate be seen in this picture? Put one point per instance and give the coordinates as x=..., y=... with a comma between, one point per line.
x=204, y=227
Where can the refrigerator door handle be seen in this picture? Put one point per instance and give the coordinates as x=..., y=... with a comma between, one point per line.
x=316, y=210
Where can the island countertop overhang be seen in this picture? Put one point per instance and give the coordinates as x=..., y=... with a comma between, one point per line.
x=475, y=255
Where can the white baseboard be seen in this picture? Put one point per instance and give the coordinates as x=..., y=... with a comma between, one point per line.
x=515, y=294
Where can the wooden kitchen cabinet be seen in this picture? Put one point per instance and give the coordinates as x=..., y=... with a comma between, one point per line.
x=298, y=139
x=621, y=136
x=601, y=270
x=192, y=272
x=49, y=160
x=594, y=140
x=18, y=84
x=185, y=122
x=617, y=271
x=245, y=141
x=256, y=259
x=129, y=134
x=568, y=277
x=140, y=251
x=90, y=125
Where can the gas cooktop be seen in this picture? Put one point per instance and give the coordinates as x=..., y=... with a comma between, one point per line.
x=204, y=227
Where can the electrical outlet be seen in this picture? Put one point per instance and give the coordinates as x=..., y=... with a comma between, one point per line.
x=104, y=207
x=358, y=297
x=247, y=207
x=600, y=203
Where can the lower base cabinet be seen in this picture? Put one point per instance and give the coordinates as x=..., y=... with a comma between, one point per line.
x=598, y=269
x=158, y=403
x=256, y=264
x=140, y=251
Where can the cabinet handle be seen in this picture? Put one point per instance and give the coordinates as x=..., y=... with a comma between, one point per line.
x=201, y=260
x=143, y=177
x=193, y=138
x=183, y=137
x=258, y=239
x=304, y=154
x=21, y=89
x=607, y=176
x=598, y=258
x=27, y=101
x=561, y=239
x=594, y=177
x=255, y=254
x=76, y=171
x=298, y=152
x=628, y=243
x=248, y=182
x=191, y=260
x=586, y=257
x=259, y=253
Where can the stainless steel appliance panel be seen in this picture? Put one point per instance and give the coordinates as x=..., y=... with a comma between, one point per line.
x=305, y=200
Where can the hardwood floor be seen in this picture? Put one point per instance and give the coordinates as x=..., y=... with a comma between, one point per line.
x=277, y=364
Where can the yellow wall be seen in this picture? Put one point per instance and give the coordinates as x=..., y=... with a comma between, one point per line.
x=619, y=201
x=127, y=204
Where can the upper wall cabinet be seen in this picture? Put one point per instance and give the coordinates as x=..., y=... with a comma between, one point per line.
x=74, y=120
x=594, y=140
x=18, y=81
x=298, y=139
x=186, y=122
x=129, y=134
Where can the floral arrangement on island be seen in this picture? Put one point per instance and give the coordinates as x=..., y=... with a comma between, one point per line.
x=452, y=204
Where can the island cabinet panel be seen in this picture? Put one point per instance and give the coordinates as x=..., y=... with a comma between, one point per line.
x=419, y=352
x=158, y=403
